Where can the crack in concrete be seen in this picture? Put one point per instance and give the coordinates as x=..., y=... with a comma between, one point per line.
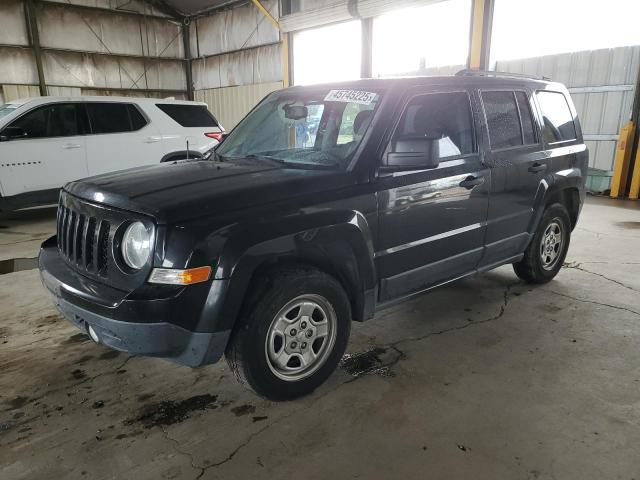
x=500, y=313
x=617, y=307
x=578, y=266
x=176, y=447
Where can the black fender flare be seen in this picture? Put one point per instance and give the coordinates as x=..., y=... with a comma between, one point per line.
x=554, y=186
x=342, y=247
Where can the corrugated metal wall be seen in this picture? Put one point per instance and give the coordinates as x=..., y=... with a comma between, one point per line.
x=98, y=47
x=239, y=60
x=232, y=103
x=601, y=83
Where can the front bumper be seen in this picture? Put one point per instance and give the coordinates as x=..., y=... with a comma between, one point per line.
x=87, y=304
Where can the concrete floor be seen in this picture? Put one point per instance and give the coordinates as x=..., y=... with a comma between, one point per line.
x=487, y=378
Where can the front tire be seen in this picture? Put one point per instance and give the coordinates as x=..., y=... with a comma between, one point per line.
x=292, y=336
x=547, y=250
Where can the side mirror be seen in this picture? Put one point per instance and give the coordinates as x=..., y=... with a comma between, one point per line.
x=414, y=154
x=11, y=133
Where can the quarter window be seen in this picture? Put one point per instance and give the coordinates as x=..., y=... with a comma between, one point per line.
x=502, y=119
x=189, y=115
x=556, y=115
x=445, y=117
x=56, y=120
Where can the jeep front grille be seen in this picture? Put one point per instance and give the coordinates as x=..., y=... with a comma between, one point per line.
x=83, y=240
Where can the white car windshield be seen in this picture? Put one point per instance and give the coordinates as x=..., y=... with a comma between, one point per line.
x=7, y=108
x=310, y=127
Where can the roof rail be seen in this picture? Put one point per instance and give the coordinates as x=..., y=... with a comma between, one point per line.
x=467, y=72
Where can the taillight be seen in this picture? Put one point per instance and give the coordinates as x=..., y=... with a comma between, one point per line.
x=215, y=135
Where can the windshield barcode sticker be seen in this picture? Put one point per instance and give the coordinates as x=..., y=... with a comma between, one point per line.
x=350, y=96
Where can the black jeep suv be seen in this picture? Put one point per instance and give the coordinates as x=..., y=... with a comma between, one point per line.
x=322, y=206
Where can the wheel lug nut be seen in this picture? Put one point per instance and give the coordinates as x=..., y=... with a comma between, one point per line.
x=304, y=345
x=309, y=333
x=293, y=332
x=303, y=325
x=294, y=344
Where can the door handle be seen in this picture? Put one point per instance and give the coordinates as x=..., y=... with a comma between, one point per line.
x=71, y=146
x=537, y=167
x=152, y=140
x=471, y=182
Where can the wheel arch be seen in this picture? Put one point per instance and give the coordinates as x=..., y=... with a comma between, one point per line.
x=564, y=188
x=342, y=250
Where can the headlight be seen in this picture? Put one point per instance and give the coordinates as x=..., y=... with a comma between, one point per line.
x=136, y=245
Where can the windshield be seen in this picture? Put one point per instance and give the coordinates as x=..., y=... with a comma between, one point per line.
x=7, y=108
x=309, y=128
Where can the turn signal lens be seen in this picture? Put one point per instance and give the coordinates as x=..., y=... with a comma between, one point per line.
x=172, y=276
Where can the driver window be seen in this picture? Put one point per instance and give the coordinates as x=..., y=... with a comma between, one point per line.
x=57, y=120
x=441, y=117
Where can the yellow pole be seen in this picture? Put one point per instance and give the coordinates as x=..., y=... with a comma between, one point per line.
x=634, y=191
x=285, y=41
x=623, y=157
x=477, y=22
x=285, y=59
x=266, y=13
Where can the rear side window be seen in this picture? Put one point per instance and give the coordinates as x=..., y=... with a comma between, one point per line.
x=114, y=117
x=502, y=119
x=189, y=115
x=556, y=115
x=56, y=120
x=445, y=117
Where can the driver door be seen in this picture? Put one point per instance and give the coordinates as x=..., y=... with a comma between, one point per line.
x=432, y=220
x=49, y=152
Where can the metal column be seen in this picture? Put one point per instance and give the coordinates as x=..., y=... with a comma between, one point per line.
x=626, y=141
x=480, y=34
x=188, y=66
x=34, y=40
x=366, y=65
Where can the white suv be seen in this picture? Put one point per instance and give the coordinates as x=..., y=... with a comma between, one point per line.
x=48, y=141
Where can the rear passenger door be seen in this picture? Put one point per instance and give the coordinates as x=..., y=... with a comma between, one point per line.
x=518, y=164
x=121, y=137
x=432, y=220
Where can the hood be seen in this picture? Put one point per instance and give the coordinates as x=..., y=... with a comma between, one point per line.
x=190, y=189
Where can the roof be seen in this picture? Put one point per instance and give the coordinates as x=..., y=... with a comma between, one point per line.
x=461, y=80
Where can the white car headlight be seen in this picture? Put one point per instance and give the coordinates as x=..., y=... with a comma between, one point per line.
x=136, y=245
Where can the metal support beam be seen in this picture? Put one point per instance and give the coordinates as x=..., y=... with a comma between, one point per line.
x=117, y=11
x=366, y=61
x=186, y=40
x=480, y=34
x=34, y=42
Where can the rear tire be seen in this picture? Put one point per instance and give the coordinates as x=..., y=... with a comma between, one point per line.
x=547, y=250
x=292, y=336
